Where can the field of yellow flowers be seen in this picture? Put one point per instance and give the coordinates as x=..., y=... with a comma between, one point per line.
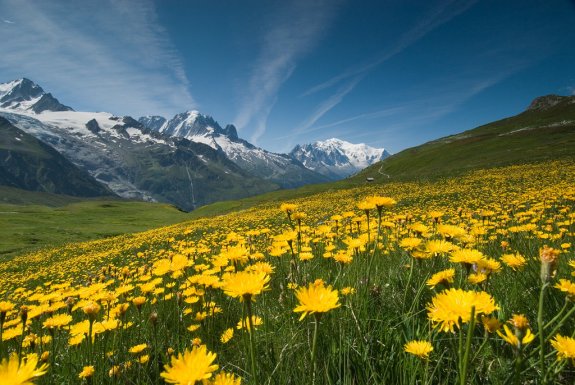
x=466, y=280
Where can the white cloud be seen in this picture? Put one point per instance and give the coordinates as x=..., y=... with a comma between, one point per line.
x=108, y=55
x=292, y=31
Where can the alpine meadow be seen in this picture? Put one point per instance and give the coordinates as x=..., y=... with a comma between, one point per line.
x=293, y=192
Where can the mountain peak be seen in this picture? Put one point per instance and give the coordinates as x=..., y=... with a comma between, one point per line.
x=337, y=158
x=26, y=96
x=546, y=102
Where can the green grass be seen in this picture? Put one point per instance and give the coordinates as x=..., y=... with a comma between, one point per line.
x=532, y=136
x=29, y=227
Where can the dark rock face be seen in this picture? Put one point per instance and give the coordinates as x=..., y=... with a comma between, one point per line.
x=27, y=163
x=93, y=126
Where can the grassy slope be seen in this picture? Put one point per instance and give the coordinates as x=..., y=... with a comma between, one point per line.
x=490, y=145
x=48, y=220
x=531, y=136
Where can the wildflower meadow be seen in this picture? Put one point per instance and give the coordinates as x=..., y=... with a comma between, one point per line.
x=463, y=280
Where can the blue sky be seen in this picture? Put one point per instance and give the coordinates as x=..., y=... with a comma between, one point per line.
x=389, y=73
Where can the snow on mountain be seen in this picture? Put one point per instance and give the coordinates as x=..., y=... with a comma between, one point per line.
x=130, y=159
x=24, y=95
x=199, y=128
x=337, y=158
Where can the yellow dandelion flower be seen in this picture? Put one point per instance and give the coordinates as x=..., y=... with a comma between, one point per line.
x=491, y=324
x=245, y=284
x=466, y=256
x=444, y=277
x=190, y=367
x=14, y=372
x=476, y=278
x=453, y=306
x=138, y=348
x=565, y=347
x=223, y=378
x=410, y=244
x=227, y=335
x=245, y=324
x=193, y=327
x=288, y=208
x=514, y=261
x=5, y=307
x=567, y=287
x=91, y=309
x=347, y=291
x=87, y=372
x=316, y=298
x=519, y=321
x=438, y=247
x=57, y=321
x=144, y=359
x=419, y=349
x=517, y=341
x=380, y=202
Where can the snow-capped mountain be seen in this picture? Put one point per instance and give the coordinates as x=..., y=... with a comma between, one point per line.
x=199, y=128
x=132, y=161
x=24, y=95
x=337, y=158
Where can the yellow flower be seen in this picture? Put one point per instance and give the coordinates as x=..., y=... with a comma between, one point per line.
x=190, y=367
x=87, y=371
x=138, y=348
x=245, y=284
x=14, y=372
x=512, y=339
x=519, y=321
x=57, y=321
x=91, y=310
x=420, y=349
x=316, y=298
x=566, y=286
x=223, y=378
x=410, y=243
x=380, y=202
x=227, y=335
x=476, y=278
x=438, y=246
x=466, y=256
x=491, y=324
x=143, y=359
x=451, y=306
x=444, y=277
x=348, y=290
x=288, y=208
x=565, y=347
x=245, y=324
x=5, y=307
x=514, y=261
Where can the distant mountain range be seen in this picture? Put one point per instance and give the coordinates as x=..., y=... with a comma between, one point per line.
x=189, y=160
x=337, y=158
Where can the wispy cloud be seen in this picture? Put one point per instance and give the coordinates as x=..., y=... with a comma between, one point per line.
x=109, y=55
x=291, y=33
x=445, y=11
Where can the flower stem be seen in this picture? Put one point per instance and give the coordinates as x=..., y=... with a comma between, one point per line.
x=540, y=326
x=248, y=303
x=314, y=346
x=470, y=331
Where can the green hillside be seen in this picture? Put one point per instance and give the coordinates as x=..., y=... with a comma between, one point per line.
x=545, y=131
x=34, y=220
